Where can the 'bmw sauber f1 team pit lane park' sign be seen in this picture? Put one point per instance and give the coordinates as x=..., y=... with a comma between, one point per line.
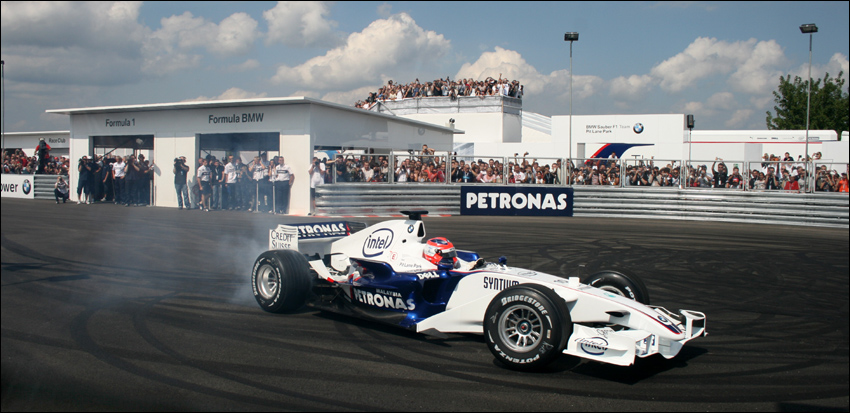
x=516, y=201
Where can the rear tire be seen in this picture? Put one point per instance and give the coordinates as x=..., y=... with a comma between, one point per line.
x=620, y=282
x=281, y=280
x=527, y=326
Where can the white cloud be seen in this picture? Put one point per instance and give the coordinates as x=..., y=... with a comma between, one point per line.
x=245, y=66
x=751, y=61
x=632, y=87
x=351, y=96
x=396, y=46
x=306, y=93
x=739, y=118
x=174, y=46
x=385, y=10
x=696, y=108
x=301, y=24
x=758, y=72
x=510, y=64
x=837, y=63
x=233, y=93
x=72, y=43
x=722, y=100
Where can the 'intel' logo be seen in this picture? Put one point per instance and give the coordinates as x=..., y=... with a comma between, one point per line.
x=377, y=242
x=595, y=346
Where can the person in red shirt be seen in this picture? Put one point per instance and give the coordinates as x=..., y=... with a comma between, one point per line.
x=792, y=185
x=436, y=174
x=843, y=185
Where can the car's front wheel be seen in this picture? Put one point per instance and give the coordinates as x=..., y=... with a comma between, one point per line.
x=527, y=326
x=281, y=280
x=620, y=282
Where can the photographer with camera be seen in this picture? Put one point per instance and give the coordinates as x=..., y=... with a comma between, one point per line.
x=86, y=181
x=132, y=176
x=181, y=173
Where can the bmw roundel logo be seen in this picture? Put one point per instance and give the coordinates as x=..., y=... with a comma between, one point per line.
x=638, y=128
x=27, y=187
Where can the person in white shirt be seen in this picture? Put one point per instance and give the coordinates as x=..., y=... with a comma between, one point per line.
x=283, y=179
x=231, y=192
x=317, y=177
x=204, y=184
x=118, y=181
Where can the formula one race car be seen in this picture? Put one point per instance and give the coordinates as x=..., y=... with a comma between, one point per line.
x=386, y=273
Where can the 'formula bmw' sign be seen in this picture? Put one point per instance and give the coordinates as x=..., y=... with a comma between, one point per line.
x=516, y=200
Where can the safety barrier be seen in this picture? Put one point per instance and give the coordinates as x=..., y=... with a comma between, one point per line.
x=820, y=209
x=43, y=185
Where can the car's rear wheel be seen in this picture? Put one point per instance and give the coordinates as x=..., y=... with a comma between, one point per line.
x=281, y=280
x=527, y=326
x=620, y=282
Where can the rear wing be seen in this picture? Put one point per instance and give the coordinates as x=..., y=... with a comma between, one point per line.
x=291, y=236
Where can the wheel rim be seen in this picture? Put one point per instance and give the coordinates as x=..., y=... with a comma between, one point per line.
x=520, y=328
x=268, y=282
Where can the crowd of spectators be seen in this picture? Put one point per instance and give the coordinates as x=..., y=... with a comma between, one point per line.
x=443, y=88
x=117, y=179
x=17, y=162
x=229, y=184
x=425, y=166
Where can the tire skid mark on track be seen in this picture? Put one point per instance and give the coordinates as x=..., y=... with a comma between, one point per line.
x=140, y=326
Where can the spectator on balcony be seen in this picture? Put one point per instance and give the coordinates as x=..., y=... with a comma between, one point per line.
x=825, y=181
x=803, y=179
x=468, y=176
x=721, y=174
x=843, y=185
x=735, y=181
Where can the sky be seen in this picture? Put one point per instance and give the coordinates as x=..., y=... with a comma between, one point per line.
x=719, y=61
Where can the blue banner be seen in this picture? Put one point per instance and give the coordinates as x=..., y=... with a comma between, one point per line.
x=525, y=200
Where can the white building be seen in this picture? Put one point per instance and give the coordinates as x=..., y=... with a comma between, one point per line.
x=292, y=127
x=497, y=126
x=59, y=141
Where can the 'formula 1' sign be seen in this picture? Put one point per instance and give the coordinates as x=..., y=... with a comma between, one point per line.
x=516, y=200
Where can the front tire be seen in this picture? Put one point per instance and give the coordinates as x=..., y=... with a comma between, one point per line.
x=620, y=282
x=281, y=280
x=527, y=326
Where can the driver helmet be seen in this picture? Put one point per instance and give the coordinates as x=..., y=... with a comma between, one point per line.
x=436, y=249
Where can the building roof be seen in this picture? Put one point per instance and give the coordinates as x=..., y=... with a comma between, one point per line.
x=298, y=100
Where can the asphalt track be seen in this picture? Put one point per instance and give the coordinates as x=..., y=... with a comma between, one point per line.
x=113, y=308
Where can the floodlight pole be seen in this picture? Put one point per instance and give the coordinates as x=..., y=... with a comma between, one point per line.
x=3, y=97
x=809, y=28
x=571, y=37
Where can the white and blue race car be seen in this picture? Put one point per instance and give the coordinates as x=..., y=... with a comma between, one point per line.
x=528, y=318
